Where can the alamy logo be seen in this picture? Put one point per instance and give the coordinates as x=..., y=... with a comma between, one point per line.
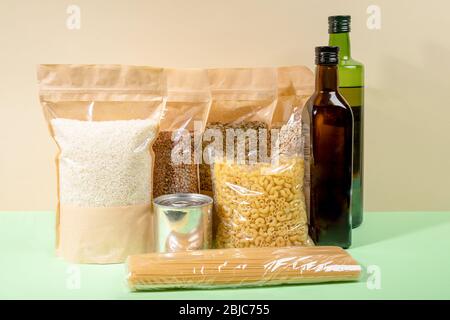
x=242, y=146
x=373, y=277
x=374, y=19
x=73, y=280
x=73, y=21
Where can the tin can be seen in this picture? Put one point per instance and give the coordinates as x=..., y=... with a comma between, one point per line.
x=183, y=222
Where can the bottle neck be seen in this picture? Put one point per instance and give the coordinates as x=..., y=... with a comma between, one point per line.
x=341, y=40
x=326, y=78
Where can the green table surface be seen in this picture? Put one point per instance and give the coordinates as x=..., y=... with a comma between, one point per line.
x=404, y=255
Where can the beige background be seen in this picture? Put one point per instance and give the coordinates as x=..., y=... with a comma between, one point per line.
x=407, y=64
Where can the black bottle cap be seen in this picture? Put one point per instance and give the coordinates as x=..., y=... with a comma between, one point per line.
x=339, y=24
x=327, y=55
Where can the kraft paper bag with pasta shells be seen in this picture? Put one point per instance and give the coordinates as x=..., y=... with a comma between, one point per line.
x=177, y=146
x=242, y=98
x=104, y=119
x=259, y=199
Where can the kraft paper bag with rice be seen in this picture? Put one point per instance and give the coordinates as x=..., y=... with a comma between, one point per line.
x=258, y=188
x=176, y=151
x=104, y=119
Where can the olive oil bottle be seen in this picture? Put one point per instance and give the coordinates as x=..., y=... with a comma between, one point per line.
x=351, y=86
x=330, y=155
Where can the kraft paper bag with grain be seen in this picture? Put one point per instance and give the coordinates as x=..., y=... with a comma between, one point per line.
x=103, y=97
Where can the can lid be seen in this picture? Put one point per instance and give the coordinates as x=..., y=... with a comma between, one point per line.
x=183, y=200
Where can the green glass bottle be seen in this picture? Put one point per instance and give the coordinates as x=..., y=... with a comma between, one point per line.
x=351, y=86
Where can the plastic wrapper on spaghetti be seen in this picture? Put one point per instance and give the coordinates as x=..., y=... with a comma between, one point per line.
x=245, y=267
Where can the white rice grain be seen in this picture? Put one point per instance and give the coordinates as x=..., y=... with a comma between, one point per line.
x=104, y=163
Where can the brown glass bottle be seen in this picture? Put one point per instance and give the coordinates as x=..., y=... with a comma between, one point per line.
x=331, y=143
